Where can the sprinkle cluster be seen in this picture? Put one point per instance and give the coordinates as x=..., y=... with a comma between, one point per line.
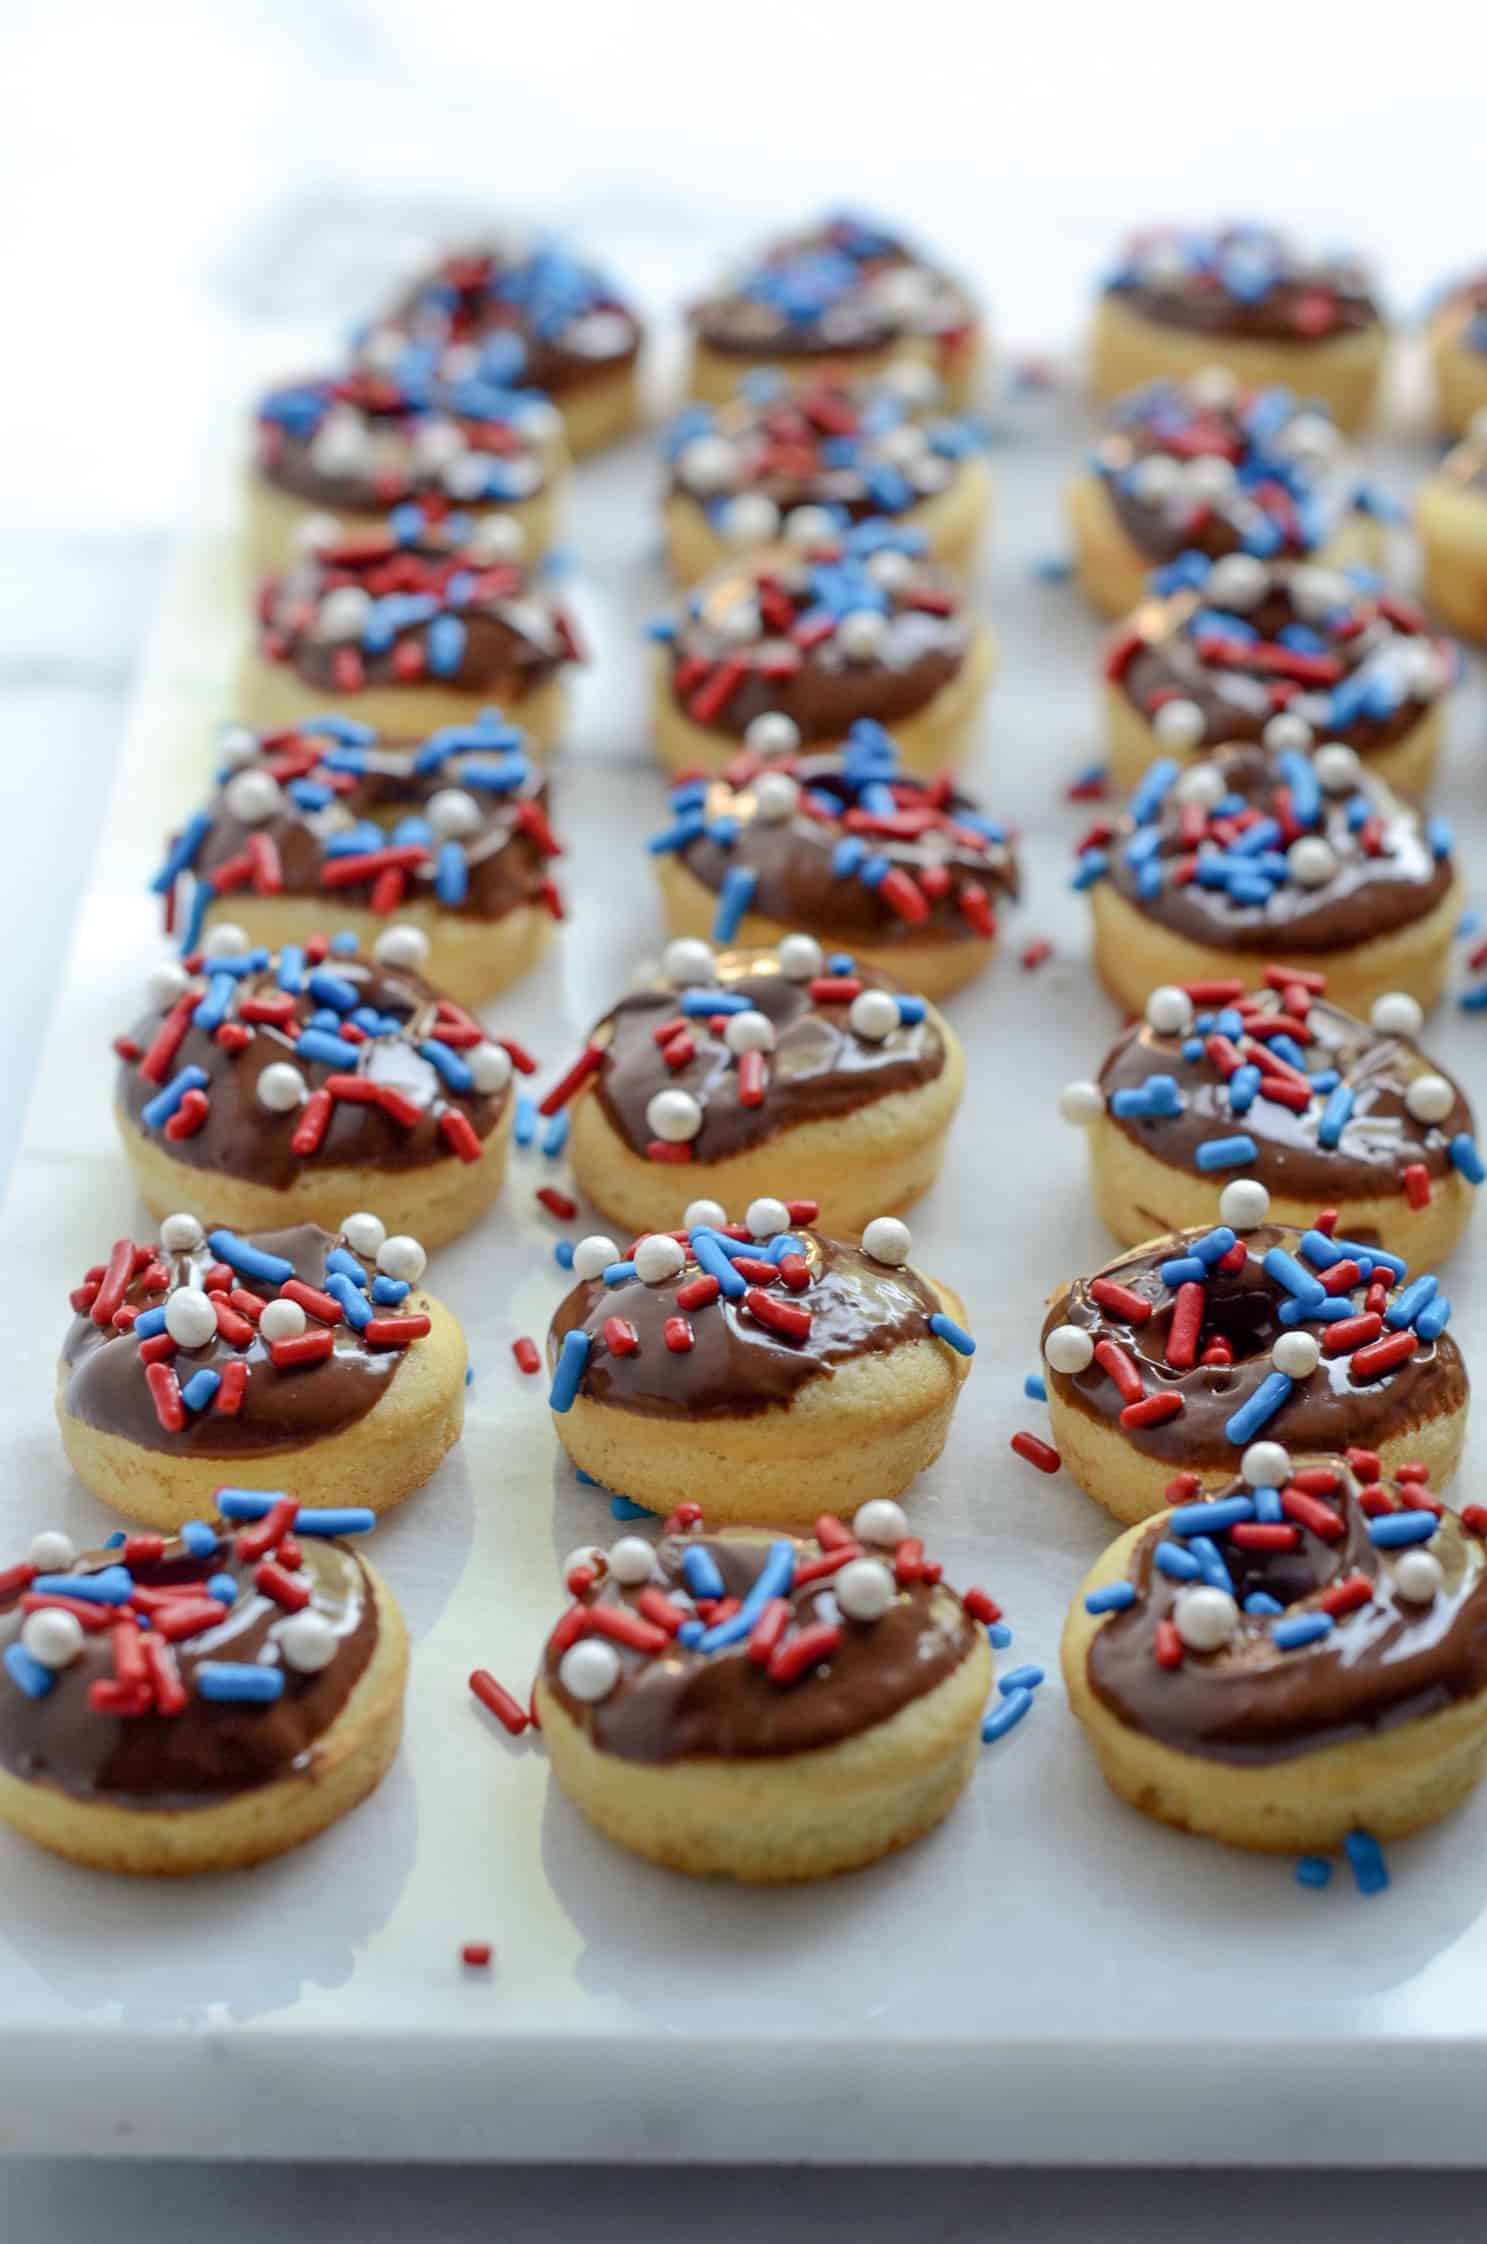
x=499, y=306
x=63, y=1603
x=1249, y=264
x=848, y=277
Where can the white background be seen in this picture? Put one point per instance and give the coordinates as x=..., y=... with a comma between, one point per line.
x=174, y=173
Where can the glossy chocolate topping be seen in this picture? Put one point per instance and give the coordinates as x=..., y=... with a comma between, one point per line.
x=416, y=603
x=209, y=1751
x=1364, y=674
x=1385, y=873
x=361, y=441
x=1379, y=1140
x=242, y=1136
x=1243, y=280
x=380, y=792
x=819, y=1069
x=864, y=450
x=745, y=624
x=799, y=881
x=840, y=286
x=1328, y=1411
x=688, y=1705
x=104, y=1383
x=537, y=315
x=738, y=1365
x=1388, y=1661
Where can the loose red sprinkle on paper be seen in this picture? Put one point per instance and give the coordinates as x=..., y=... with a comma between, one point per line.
x=476, y=1953
x=526, y=1353
x=1039, y=1453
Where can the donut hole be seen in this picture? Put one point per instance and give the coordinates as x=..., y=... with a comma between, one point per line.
x=1287, y=1576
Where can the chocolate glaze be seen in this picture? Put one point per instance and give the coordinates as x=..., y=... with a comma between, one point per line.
x=211, y=1751
x=792, y=857
x=516, y=637
x=819, y=1069
x=390, y=419
x=739, y=1367
x=1379, y=1140
x=824, y=695
x=483, y=292
x=1326, y=1412
x=688, y=1706
x=242, y=1138
x=506, y=867
x=104, y=1385
x=1310, y=299
x=865, y=300
x=1367, y=896
x=1238, y=699
x=1250, y=1704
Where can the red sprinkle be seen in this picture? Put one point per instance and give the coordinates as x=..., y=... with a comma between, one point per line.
x=1187, y=1320
x=557, y=1203
x=165, y=1393
x=1152, y=1409
x=228, y=1400
x=589, y=1060
x=256, y=1540
x=1120, y=1301
x=697, y=1293
x=785, y=1317
x=1182, y=1488
x=1347, y=1595
x=678, y=1335
x=790, y=1660
x=1121, y=1367
x=477, y=1953
x=1349, y=1333
x=460, y=1134
x=1416, y=1181
x=1039, y=1453
x=394, y=1332
x=771, y=1626
x=526, y=1353
x=1264, y=1535
x=981, y=1605
x=1168, y=1645
x=1364, y=1462
x=1381, y=1356
x=1036, y=952
x=304, y=1348
x=1309, y=1511
x=512, y=1716
x=620, y=1336
x=291, y=1591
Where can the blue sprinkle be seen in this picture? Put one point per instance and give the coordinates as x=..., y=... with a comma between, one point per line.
x=734, y=899
x=1094, y=864
x=1466, y=1158
x=998, y=1635
x=1034, y=1388
x=1113, y=1598
x=1407, y=1304
x=1319, y=1250
x=27, y=1673
x=291, y=974
x=708, y=1252
x=1006, y=1716
x=524, y=1125
x=700, y=1003
x=617, y=1273
x=1313, y=1870
x=1268, y=1507
x=687, y=829
x=338, y=1519
x=199, y=1539
x=1307, y=1628
x=1396, y=1530
x=234, y=1682
x=388, y=1292
x=1214, y=1245
x=158, y=1110
x=570, y=1368
x=344, y=1263
x=1211, y=1519
x=1211, y=1562
x=1177, y=1564
x=555, y=1136
x=1366, y=1861
x=773, y=1580
x=247, y=1503
x=1262, y=1406
x=1026, y=1678
x=447, y=1063
x=945, y=1328
x=251, y=1261
x=199, y=1389
x=1287, y=1272
x=223, y=1587
x=1226, y=1153
x=621, y=1507
x=148, y=1323
x=1335, y=1116
x=446, y=645
x=332, y=989
x=1261, y=1602
x=1432, y=1322
x=116, y=1541
x=700, y=1572
x=1184, y=1270
x=330, y=1051
x=111, y=1585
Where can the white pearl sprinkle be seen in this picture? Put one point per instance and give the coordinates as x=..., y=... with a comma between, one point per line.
x=688, y=960
x=253, y=796
x=880, y=1522
x=307, y=1641
x=1205, y=1618
x=281, y=1088
x=490, y=1065
x=873, y=1015
x=766, y=1217
x=890, y=568
x=888, y=1239
x=1068, y=1349
x=496, y=537
x=52, y=1637
x=453, y=812
x=1179, y=724
x=801, y=958
x=344, y=613
x=1287, y=730
x=749, y=1032
x=705, y=1215
x=51, y=1551
x=631, y=1561
x=673, y=1116
x=225, y=939
x=776, y=796
x=181, y=1233
x=402, y=1257
x=190, y=1318
x=1430, y=1098
x=1202, y=785
x=1205, y=479
x=750, y=519
x=1396, y=1013
x=1312, y=860
x=1238, y=581
x=860, y=633
x=165, y=985
x=235, y=743
x=402, y=946
x=1337, y=766
x=1081, y=1103
x=1155, y=479
x=589, y=1669
x=1318, y=593
x=281, y=1320
x=1244, y=1204
x=807, y=526
x=658, y=1257
x=592, y=1256
x=1297, y=1354
x=1213, y=387
x=364, y=1234
x=772, y=734
x=708, y=464
x=864, y=1589
x=1169, y=1010
x=1266, y=1464
x=1418, y=1576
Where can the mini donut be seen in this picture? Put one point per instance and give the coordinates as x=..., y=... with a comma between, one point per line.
x=169, y=1384
x=766, y=1351
x=448, y=835
x=1451, y=521
x=1347, y=881
x=1208, y=466
x=789, y=647
x=1281, y=1667
x=1247, y=298
x=838, y=1080
x=422, y=621
x=285, y=1086
x=1279, y=652
x=1332, y=1111
x=353, y=443
x=847, y=846
x=842, y=297
x=1457, y=339
x=776, y=460
x=518, y=309
x=768, y=1708
x=202, y=1702
x=1300, y=1337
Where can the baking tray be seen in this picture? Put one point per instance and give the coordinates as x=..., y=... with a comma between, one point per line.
x=1048, y=1978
